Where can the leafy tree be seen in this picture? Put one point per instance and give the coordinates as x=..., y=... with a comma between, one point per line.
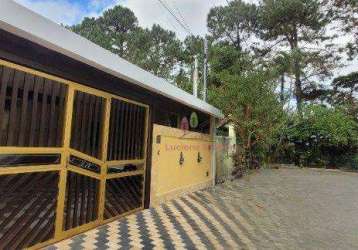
x=248, y=100
x=344, y=13
x=111, y=31
x=226, y=58
x=91, y=29
x=183, y=80
x=321, y=134
x=282, y=64
x=118, y=24
x=156, y=50
x=299, y=26
x=191, y=46
x=345, y=93
x=233, y=24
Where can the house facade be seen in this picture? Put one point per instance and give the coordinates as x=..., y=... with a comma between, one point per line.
x=87, y=137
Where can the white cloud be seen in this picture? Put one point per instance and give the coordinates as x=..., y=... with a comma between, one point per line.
x=100, y=5
x=97, y=3
x=148, y=13
x=194, y=13
x=59, y=11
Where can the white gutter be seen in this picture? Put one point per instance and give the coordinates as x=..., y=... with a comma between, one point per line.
x=24, y=23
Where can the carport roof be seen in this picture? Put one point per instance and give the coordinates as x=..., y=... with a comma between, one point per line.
x=24, y=23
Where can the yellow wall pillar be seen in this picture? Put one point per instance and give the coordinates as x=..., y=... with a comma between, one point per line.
x=181, y=162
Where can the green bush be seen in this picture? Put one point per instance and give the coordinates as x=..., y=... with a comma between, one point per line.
x=323, y=136
x=348, y=160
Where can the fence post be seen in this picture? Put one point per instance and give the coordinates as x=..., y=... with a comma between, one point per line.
x=63, y=172
x=213, y=148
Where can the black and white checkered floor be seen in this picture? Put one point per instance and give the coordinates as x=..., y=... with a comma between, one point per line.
x=206, y=219
x=271, y=209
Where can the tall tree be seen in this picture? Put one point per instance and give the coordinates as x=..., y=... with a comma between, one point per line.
x=92, y=29
x=345, y=93
x=118, y=24
x=233, y=24
x=192, y=46
x=247, y=98
x=156, y=49
x=299, y=26
x=282, y=64
x=322, y=134
x=226, y=59
x=111, y=31
x=344, y=13
x=159, y=51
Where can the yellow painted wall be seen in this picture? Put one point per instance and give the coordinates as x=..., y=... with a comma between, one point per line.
x=169, y=178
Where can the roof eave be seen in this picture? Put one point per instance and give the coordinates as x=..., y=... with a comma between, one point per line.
x=48, y=34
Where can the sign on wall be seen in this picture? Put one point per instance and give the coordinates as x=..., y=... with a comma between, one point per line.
x=184, y=123
x=194, y=120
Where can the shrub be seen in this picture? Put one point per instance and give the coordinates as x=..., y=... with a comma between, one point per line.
x=322, y=135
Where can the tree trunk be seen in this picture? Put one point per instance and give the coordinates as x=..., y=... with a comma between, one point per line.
x=297, y=72
x=282, y=96
x=298, y=88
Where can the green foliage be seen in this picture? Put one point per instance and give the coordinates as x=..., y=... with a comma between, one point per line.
x=118, y=24
x=347, y=160
x=233, y=24
x=227, y=58
x=300, y=25
x=354, y=162
x=345, y=93
x=344, y=14
x=328, y=125
x=159, y=51
x=252, y=49
x=285, y=18
x=191, y=47
x=194, y=121
x=183, y=81
x=321, y=133
x=91, y=29
x=247, y=98
x=156, y=50
x=349, y=81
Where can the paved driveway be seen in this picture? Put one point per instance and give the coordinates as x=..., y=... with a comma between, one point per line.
x=270, y=209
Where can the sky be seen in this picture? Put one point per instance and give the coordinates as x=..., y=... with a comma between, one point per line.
x=148, y=12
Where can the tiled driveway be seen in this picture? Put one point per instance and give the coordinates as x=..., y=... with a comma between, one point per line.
x=270, y=209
